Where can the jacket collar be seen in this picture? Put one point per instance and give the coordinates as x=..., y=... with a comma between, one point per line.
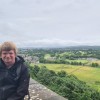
x=19, y=59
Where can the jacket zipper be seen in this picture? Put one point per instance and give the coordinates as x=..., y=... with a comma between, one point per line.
x=2, y=97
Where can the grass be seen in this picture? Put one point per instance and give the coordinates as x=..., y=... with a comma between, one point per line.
x=47, y=56
x=87, y=74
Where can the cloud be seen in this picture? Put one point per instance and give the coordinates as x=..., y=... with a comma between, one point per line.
x=54, y=43
x=50, y=22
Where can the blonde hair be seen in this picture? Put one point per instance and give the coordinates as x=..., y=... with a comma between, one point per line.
x=7, y=46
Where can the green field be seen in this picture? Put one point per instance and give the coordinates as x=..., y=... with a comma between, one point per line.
x=47, y=56
x=90, y=75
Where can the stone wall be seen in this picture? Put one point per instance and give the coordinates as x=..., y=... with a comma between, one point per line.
x=40, y=92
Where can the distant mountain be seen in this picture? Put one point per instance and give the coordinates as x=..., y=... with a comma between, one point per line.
x=67, y=47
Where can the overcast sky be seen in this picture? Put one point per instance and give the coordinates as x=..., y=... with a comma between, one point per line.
x=41, y=23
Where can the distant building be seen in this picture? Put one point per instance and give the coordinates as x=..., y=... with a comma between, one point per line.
x=32, y=59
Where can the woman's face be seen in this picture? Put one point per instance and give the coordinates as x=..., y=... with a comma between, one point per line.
x=8, y=57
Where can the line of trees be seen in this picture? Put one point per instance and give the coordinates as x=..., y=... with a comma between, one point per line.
x=42, y=60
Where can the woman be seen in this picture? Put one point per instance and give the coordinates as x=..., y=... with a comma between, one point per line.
x=14, y=75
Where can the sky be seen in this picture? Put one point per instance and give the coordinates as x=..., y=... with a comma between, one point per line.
x=50, y=23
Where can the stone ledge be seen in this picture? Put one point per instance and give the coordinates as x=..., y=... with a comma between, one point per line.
x=40, y=92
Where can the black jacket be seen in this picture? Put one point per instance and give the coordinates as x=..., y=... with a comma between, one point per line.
x=14, y=81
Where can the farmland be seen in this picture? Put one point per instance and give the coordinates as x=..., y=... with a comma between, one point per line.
x=88, y=74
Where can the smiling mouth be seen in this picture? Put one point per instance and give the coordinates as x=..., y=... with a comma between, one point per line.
x=8, y=60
